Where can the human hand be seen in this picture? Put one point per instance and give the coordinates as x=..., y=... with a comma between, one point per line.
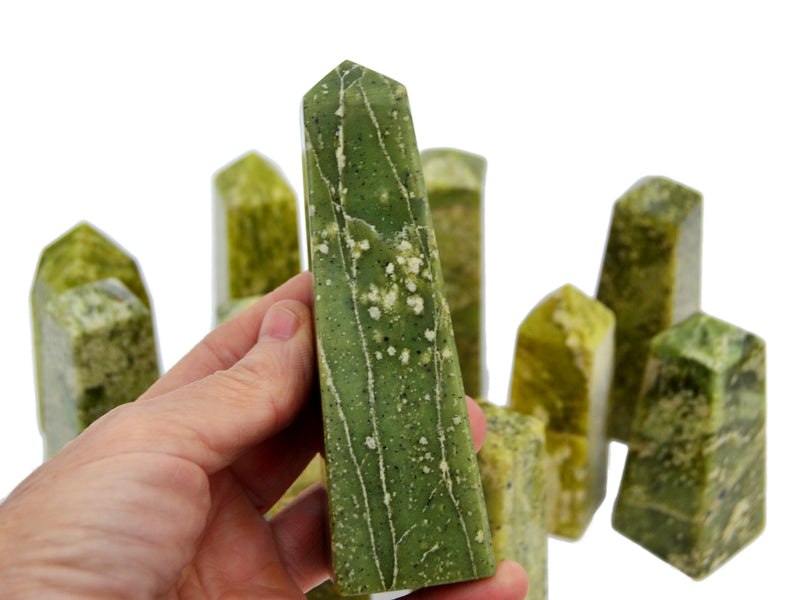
x=164, y=497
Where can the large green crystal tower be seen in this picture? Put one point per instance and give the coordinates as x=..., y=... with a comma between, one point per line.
x=693, y=487
x=650, y=279
x=94, y=341
x=407, y=509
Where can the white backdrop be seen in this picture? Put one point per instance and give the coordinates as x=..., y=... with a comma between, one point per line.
x=119, y=113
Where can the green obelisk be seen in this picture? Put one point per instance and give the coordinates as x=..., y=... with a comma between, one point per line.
x=650, y=279
x=255, y=232
x=512, y=464
x=407, y=509
x=93, y=335
x=563, y=366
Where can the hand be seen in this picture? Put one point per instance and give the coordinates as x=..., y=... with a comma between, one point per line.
x=164, y=497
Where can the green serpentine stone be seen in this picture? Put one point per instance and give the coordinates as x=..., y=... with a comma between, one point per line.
x=562, y=374
x=692, y=490
x=454, y=180
x=406, y=504
x=94, y=343
x=256, y=244
x=512, y=465
x=650, y=279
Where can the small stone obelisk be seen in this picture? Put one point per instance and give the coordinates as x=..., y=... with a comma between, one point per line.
x=94, y=341
x=650, y=278
x=693, y=487
x=256, y=244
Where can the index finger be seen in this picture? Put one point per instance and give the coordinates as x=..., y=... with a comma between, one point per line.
x=229, y=342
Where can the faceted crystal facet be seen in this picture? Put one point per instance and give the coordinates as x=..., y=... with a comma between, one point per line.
x=407, y=510
x=693, y=486
x=255, y=229
x=454, y=180
x=94, y=343
x=512, y=465
x=562, y=374
x=650, y=279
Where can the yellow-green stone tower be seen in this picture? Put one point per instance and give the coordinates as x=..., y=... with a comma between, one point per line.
x=256, y=245
x=563, y=367
x=93, y=335
x=406, y=504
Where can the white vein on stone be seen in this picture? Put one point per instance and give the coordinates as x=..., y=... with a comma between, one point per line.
x=444, y=465
x=354, y=458
x=350, y=218
x=404, y=536
x=387, y=156
x=428, y=551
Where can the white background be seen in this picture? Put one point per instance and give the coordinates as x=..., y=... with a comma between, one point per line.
x=120, y=112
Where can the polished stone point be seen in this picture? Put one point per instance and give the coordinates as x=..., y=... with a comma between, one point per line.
x=692, y=489
x=256, y=245
x=512, y=465
x=562, y=374
x=94, y=342
x=406, y=505
x=650, y=278
x=455, y=179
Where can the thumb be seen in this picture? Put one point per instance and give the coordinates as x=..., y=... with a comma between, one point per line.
x=211, y=422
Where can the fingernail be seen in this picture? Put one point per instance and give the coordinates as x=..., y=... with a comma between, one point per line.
x=279, y=323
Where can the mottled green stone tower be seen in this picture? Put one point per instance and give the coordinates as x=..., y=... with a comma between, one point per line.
x=650, y=279
x=406, y=504
x=256, y=244
x=562, y=374
x=455, y=180
x=94, y=342
x=693, y=486
x=512, y=465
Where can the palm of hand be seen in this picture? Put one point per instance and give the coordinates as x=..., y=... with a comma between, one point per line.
x=171, y=532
